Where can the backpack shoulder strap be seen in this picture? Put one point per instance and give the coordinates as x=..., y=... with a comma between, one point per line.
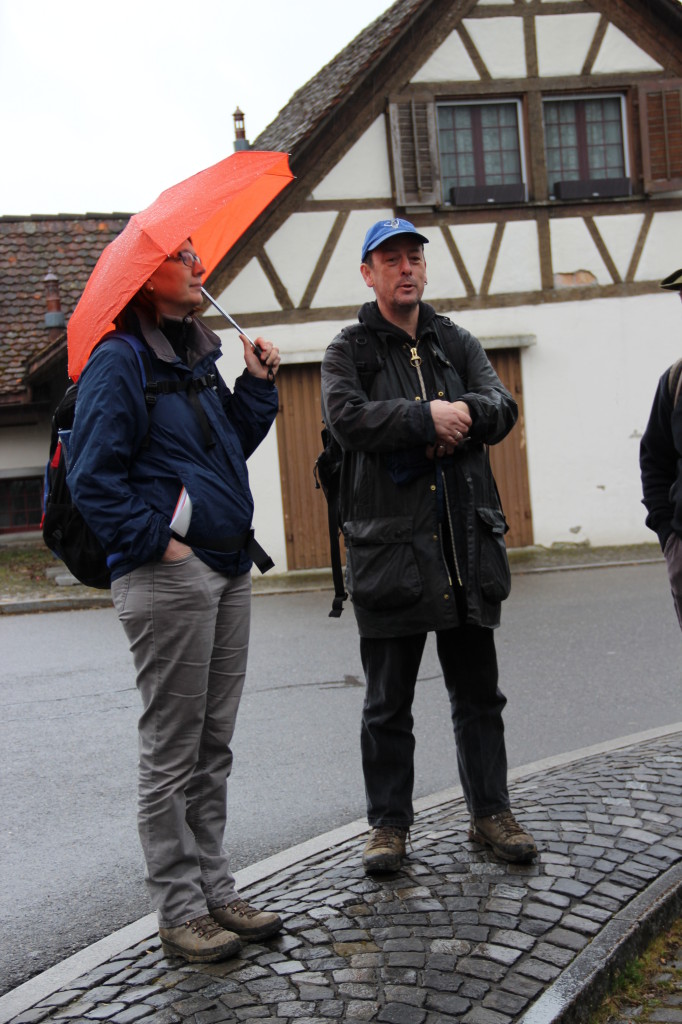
x=153, y=388
x=446, y=330
x=367, y=352
x=675, y=382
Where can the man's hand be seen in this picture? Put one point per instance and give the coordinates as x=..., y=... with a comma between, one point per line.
x=262, y=363
x=452, y=422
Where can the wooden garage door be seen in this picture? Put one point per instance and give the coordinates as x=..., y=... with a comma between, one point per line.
x=299, y=426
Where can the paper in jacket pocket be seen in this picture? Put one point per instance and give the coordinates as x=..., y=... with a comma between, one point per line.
x=182, y=515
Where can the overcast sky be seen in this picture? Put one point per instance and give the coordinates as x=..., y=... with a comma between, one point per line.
x=104, y=103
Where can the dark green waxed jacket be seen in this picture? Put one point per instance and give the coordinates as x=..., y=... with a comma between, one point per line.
x=401, y=513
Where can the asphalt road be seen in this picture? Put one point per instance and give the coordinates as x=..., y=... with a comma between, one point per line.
x=585, y=656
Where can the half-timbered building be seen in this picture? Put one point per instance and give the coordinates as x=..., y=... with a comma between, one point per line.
x=538, y=145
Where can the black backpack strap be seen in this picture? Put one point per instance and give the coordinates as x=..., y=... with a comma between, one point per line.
x=368, y=358
x=327, y=472
x=452, y=352
x=192, y=385
x=675, y=382
x=232, y=545
x=367, y=351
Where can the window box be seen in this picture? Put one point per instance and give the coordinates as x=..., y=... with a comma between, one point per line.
x=468, y=195
x=592, y=188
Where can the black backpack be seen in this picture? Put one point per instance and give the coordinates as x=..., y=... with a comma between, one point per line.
x=65, y=532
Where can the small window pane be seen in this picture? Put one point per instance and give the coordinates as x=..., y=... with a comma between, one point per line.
x=484, y=139
x=589, y=143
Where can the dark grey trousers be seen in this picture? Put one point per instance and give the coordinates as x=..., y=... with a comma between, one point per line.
x=469, y=662
x=188, y=629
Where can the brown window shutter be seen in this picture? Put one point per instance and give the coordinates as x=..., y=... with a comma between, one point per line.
x=414, y=144
x=660, y=118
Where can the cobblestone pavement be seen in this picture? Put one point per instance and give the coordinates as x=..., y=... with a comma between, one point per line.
x=455, y=936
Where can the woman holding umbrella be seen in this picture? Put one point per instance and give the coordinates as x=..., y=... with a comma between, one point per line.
x=165, y=488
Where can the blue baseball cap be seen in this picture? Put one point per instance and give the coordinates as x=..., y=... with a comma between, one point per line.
x=384, y=229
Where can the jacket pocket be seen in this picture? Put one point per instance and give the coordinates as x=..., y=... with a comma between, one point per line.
x=381, y=568
x=494, y=564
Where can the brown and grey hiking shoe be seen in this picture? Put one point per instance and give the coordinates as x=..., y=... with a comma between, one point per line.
x=199, y=941
x=505, y=836
x=246, y=921
x=385, y=849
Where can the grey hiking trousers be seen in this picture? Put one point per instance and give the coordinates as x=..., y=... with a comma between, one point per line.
x=188, y=629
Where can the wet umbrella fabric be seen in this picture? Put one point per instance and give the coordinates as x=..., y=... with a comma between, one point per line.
x=215, y=207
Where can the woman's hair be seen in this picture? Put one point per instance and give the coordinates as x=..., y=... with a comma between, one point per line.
x=128, y=320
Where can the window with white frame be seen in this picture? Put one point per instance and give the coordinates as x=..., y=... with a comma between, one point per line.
x=585, y=147
x=481, y=158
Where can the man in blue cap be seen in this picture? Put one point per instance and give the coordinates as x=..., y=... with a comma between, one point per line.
x=660, y=459
x=414, y=402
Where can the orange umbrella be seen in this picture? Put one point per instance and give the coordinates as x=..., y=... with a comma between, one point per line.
x=214, y=207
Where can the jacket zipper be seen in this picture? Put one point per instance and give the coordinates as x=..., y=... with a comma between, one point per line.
x=416, y=362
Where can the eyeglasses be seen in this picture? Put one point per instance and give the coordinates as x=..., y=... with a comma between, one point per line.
x=186, y=257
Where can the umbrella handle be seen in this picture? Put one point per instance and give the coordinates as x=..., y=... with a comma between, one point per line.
x=233, y=323
x=230, y=320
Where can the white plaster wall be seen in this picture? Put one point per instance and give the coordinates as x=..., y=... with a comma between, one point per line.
x=296, y=247
x=661, y=253
x=619, y=53
x=341, y=284
x=573, y=249
x=588, y=387
x=500, y=43
x=250, y=290
x=364, y=172
x=473, y=242
x=563, y=41
x=620, y=234
x=450, y=62
x=518, y=262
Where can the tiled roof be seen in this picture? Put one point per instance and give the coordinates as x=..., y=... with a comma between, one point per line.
x=309, y=106
x=29, y=248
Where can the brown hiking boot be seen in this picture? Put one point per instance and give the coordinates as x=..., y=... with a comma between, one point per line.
x=507, y=838
x=246, y=921
x=200, y=941
x=385, y=849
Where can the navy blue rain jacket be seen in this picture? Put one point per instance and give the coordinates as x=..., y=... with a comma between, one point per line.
x=127, y=467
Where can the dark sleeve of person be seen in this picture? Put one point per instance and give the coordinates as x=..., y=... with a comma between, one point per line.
x=360, y=424
x=251, y=408
x=493, y=409
x=658, y=463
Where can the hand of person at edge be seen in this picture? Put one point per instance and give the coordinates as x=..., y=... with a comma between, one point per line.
x=267, y=361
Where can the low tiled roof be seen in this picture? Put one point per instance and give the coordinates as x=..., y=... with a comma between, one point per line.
x=309, y=106
x=30, y=247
